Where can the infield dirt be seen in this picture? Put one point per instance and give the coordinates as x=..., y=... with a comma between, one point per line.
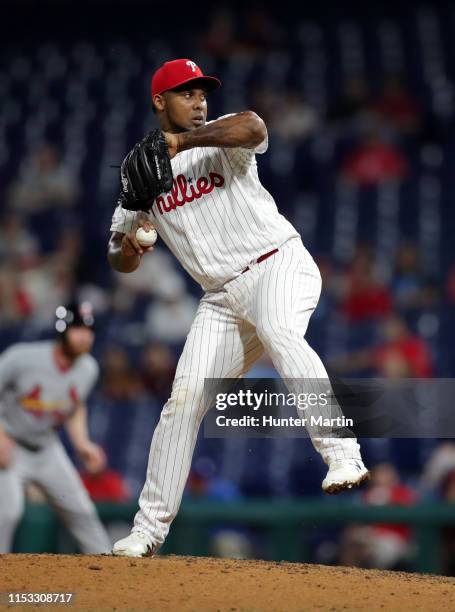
x=184, y=584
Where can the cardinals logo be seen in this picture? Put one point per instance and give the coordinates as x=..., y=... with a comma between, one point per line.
x=34, y=404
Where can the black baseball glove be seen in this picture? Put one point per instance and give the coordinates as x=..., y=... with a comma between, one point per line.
x=146, y=172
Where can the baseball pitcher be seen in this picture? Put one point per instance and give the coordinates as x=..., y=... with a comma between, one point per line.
x=42, y=386
x=261, y=285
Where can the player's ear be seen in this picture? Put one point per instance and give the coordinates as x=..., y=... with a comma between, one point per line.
x=159, y=102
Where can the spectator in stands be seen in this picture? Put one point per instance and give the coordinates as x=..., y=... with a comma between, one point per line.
x=106, y=486
x=438, y=467
x=408, y=286
x=45, y=191
x=157, y=277
x=218, y=40
x=381, y=545
x=333, y=284
x=119, y=380
x=400, y=343
x=451, y=284
x=398, y=107
x=169, y=317
x=400, y=354
x=394, y=365
x=206, y=481
x=260, y=32
x=68, y=247
x=363, y=295
x=47, y=286
x=42, y=282
x=17, y=244
x=374, y=161
x=43, y=183
x=15, y=302
x=264, y=99
x=158, y=365
x=296, y=120
x=448, y=533
x=348, y=109
x=438, y=480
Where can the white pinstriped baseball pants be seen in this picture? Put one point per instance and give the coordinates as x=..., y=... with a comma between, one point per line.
x=269, y=308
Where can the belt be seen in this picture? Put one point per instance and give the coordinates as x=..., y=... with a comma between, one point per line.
x=261, y=258
x=30, y=447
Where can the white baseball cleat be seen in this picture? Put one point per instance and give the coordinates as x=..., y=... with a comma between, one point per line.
x=137, y=544
x=345, y=475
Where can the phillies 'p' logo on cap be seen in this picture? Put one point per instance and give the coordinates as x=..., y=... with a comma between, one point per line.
x=178, y=72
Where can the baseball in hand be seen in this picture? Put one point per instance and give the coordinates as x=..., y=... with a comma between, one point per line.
x=146, y=239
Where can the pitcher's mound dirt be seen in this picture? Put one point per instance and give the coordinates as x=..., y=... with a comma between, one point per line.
x=197, y=584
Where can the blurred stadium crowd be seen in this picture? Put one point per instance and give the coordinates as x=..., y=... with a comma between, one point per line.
x=362, y=141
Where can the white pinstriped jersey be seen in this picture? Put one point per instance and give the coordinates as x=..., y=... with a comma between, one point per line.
x=218, y=217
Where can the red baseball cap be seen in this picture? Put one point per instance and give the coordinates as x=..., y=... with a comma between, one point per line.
x=180, y=71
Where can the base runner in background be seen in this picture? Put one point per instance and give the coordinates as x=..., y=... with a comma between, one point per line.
x=261, y=285
x=42, y=386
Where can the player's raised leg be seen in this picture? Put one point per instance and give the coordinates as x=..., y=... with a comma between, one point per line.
x=218, y=346
x=285, y=294
x=67, y=495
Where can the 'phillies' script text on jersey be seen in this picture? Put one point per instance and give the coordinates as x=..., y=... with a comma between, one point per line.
x=182, y=193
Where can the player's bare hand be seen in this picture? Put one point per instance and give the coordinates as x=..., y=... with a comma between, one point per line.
x=173, y=143
x=7, y=446
x=93, y=457
x=130, y=245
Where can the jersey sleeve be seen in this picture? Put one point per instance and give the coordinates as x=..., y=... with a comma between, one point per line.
x=242, y=159
x=89, y=378
x=9, y=362
x=122, y=219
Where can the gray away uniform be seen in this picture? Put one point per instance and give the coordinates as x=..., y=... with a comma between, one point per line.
x=35, y=398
